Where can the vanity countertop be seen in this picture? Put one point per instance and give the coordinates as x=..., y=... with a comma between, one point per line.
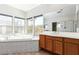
x=62, y=34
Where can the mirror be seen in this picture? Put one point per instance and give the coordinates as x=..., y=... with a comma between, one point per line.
x=67, y=20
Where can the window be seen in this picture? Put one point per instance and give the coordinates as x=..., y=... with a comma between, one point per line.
x=30, y=26
x=9, y=26
x=39, y=25
x=18, y=25
x=35, y=26
x=5, y=24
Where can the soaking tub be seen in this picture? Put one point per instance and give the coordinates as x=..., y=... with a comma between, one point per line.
x=18, y=43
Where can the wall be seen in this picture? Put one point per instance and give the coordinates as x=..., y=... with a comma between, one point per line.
x=6, y=9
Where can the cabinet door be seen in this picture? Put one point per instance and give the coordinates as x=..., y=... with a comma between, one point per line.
x=42, y=41
x=71, y=49
x=49, y=43
x=58, y=47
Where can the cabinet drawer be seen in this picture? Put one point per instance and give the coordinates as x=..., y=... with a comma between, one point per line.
x=70, y=40
x=57, y=38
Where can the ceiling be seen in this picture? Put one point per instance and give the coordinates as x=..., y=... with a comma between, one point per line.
x=24, y=7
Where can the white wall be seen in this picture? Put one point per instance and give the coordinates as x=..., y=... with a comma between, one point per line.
x=6, y=9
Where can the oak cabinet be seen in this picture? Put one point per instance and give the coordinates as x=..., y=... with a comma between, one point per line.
x=52, y=44
x=58, y=47
x=42, y=41
x=71, y=46
x=49, y=43
x=71, y=49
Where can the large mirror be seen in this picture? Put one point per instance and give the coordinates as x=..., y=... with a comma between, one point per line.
x=66, y=19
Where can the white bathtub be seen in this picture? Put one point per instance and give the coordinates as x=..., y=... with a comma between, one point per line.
x=16, y=37
x=20, y=37
x=18, y=43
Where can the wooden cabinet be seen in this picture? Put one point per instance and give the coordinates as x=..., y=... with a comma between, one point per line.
x=58, y=47
x=52, y=44
x=42, y=41
x=71, y=46
x=49, y=43
x=71, y=49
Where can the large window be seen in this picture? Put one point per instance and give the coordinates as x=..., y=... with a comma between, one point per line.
x=18, y=25
x=5, y=24
x=30, y=26
x=35, y=25
x=39, y=25
x=9, y=25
